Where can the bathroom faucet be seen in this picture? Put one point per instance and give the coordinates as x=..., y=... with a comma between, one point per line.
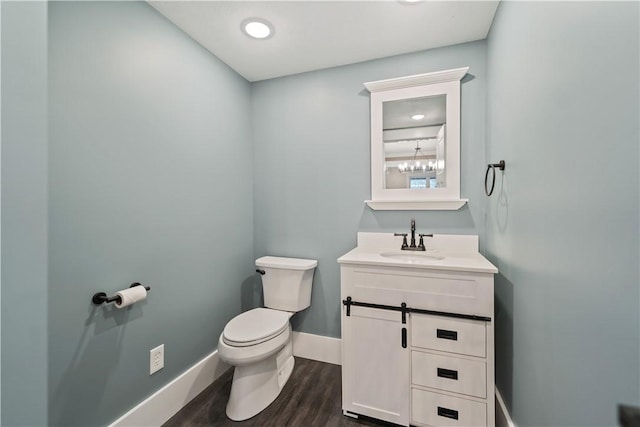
x=413, y=233
x=412, y=247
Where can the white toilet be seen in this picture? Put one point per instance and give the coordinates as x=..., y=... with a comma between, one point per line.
x=258, y=342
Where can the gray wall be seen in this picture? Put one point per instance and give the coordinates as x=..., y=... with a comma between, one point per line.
x=312, y=167
x=24, y=213
x=563, y=108
x=145, y=129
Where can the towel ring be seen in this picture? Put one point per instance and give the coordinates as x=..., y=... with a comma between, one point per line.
x=492, y=167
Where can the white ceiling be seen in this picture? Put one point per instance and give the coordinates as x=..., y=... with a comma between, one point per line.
x=311, y=35
x=397, y=114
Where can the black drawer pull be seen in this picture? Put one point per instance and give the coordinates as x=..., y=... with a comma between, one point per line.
x=447, y=413
x=447, y=335
x=447, y=373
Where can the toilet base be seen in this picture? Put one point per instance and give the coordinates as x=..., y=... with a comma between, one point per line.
x=255, y=386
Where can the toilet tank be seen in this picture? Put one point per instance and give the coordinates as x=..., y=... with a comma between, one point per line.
x=286, y=282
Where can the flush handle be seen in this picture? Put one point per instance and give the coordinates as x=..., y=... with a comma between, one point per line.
x=260, y=271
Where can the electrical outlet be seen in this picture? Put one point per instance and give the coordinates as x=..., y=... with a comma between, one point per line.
x=156, y=359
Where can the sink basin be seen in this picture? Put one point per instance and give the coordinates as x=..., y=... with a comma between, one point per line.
x=415, y=257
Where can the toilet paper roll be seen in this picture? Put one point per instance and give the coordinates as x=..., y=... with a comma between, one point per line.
x=130, y=296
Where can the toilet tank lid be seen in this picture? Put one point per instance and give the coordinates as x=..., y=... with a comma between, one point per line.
x=286, y=263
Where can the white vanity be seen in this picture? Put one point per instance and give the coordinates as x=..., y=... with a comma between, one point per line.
x=417, y=332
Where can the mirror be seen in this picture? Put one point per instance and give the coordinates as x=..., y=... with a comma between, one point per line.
x=415, y=142
x=413, y=134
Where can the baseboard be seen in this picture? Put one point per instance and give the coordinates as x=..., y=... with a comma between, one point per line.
x=317, y=347
x=503, y=418
x=166, y=402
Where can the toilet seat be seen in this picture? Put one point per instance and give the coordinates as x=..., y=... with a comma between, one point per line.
x=255, y=326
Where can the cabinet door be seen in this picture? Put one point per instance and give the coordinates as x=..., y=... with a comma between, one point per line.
x=375, y=369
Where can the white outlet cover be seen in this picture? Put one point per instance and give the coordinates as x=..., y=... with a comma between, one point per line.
x=156, y=359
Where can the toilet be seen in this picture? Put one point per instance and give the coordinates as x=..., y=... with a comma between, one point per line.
x=258, y=342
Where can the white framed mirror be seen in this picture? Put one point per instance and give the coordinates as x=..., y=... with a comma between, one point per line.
x=415, y=142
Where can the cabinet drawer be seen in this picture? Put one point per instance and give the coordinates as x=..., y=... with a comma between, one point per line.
x=460, y=336
x=439, y=410
x=449, y=373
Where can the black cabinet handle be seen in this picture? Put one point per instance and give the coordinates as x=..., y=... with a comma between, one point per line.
x=447, y=413
x=447, y=335
x=404, y=337
x=447, y=373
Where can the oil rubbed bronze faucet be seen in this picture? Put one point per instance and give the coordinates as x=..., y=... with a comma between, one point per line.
x=412, y=247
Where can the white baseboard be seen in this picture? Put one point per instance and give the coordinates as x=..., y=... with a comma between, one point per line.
x=317, y=347
x=166, y=402
x=503, y=418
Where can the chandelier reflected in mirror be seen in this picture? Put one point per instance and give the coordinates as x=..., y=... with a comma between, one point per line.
x=416, y=165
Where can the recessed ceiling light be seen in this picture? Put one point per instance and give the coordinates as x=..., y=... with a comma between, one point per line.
x=417, y=116
x=257, y=28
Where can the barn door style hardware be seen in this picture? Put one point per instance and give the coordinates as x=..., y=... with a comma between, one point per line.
x=349, y=302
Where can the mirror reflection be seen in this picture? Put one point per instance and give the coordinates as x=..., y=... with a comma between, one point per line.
x=414, y=137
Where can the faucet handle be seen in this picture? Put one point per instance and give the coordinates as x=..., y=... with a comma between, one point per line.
x=421, y=244
x=404, y=239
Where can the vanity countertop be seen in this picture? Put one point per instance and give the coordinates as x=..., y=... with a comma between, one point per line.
x=444, y=252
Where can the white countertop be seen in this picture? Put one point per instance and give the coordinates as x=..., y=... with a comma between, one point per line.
x=457, y=253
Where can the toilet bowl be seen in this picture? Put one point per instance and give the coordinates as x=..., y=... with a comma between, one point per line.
x=258, y=342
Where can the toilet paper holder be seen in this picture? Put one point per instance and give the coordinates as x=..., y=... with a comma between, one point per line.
x=101, y=297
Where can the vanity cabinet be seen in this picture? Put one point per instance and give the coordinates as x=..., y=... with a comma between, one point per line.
x=430, y=363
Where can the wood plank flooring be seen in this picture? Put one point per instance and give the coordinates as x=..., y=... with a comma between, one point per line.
x=311, y=398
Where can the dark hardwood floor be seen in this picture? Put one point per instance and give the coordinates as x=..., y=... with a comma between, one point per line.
x=311, y=397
